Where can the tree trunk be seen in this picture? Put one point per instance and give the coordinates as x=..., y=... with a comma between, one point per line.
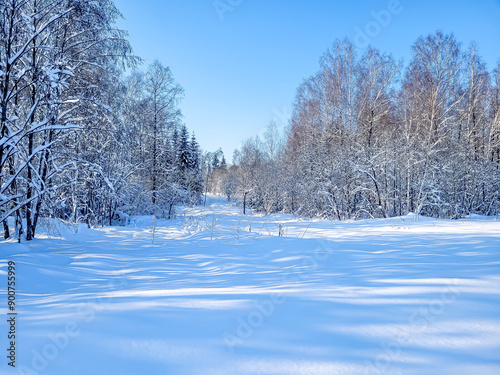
x=245, y=203
x=6, y=232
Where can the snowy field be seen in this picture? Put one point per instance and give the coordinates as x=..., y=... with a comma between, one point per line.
x=215, y=292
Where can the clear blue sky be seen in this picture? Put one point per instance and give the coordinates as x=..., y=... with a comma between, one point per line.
x=241, y=70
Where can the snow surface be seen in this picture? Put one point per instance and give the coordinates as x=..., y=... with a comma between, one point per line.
x=216, y=292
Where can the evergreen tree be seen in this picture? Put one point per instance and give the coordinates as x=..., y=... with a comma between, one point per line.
x=215, y=161
x=195, y=153
x=175, y=142
x=195, y=175
x=223, y=163
x=184, y=152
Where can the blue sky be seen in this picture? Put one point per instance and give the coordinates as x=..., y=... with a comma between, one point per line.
x=240, y=65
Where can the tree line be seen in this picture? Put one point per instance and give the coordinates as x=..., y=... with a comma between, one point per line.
x=372, y=138
x=79, y=139
x=369, y=137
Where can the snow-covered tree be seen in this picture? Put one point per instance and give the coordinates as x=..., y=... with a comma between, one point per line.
x=52, y=52
x=370, y=139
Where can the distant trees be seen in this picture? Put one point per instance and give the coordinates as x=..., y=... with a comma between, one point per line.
x=368, y=138
x=214, y=170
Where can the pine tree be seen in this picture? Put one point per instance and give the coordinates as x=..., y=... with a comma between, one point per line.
x=223, y=164
x=184, y=152
x=175, y=142
x=195, y=153
x=215, y=161
x=196, y=177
